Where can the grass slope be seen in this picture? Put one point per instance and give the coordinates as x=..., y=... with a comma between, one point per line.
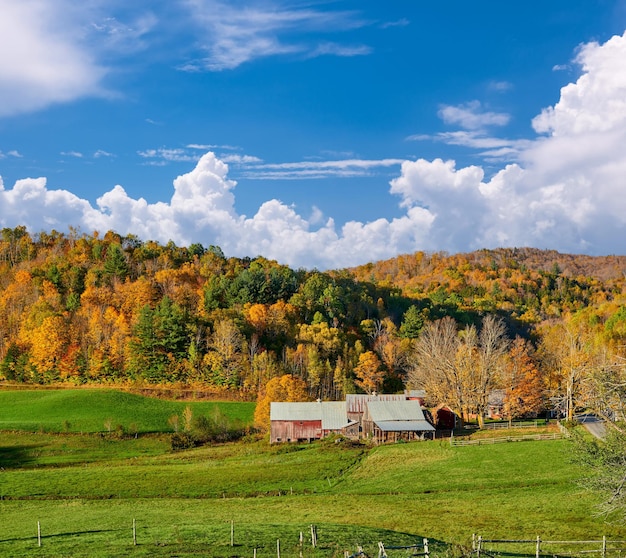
x=86, y=490
x=87, y=410
x=184, y=502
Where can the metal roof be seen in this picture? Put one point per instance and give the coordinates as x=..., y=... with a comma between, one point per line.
x=356, y=402
x=295, y=411
x=332, y=414
x=398, y=416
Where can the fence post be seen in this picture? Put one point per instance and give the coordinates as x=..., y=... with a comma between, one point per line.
x=381, y=550
x=478, y=547
x=277, y=548
x=604, y=546
x=426, y=553
x=232, y=533
x=38, y=533
x=473, y=542
x=538, y=550
x=134, y=532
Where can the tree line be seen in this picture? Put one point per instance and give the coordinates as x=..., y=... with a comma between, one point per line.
x=81, y=308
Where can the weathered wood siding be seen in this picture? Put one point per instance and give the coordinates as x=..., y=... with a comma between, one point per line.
x=294, y=430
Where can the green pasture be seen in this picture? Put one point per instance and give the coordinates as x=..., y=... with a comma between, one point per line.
x=100, y=410
x=86, y=490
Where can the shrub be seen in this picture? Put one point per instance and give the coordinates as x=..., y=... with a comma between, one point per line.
x=182, y=441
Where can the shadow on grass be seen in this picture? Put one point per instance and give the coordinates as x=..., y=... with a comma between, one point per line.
x=61, y=535
x=15, y=457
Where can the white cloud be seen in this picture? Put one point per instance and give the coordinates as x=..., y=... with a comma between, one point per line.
x=101, y=153
x=124, y=37
x=566, y=191
x=240, y=159
x=471, y=117
x=74, y=154
x=12, y=153
x=335, y=49
x=596, y=103
x=493, y=148
x=398, y=23
x=43, y=59
x=231, y=34
x=500, y=86
x=164, y=155
x=209, y=147
x=344, y=168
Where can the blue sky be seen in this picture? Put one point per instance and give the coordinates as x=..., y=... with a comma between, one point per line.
x=321, y=134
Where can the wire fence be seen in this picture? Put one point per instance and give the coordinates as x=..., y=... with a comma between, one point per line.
x=539, y=547
x=514, y=424
x=504, y=439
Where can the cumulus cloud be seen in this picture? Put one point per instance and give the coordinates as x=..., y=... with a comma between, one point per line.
x=42, y=57
x=566, y=191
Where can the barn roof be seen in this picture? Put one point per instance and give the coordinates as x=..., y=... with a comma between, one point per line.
x=332, y=414
x=356, y=402
x=295, y=411
x=398, y=416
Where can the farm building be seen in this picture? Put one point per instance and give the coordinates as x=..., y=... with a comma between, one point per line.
x=444, y=417
x=416, y=395
x=390, y=421
x=356, y=403
x=293, y=422
x=495, y=403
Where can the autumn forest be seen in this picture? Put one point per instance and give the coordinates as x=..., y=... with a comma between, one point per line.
x=546, y=328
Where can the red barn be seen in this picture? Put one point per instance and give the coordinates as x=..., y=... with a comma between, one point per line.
x=302, y=422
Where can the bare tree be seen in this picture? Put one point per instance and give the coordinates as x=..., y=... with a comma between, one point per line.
x=459, y=369
x=436, y=367
x=492, y=347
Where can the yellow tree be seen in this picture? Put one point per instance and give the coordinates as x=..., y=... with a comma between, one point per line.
x=567, y=350
x=226, y=359
x=280, y=388
x=48, y=344
x=369, y=373
x=522, y=381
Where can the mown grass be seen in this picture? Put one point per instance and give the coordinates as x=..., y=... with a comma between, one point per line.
x=100, y=410
x=86, y=490
x=184, y=502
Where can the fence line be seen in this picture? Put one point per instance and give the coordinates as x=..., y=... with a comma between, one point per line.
x=503, y=439
x=514, y=424
x=563, y=430
x=606, y=546
x=382, y=549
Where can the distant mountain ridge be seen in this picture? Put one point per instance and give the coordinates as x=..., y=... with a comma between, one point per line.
x=407, y=266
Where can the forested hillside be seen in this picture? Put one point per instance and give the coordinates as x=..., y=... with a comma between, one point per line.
x=78, y=308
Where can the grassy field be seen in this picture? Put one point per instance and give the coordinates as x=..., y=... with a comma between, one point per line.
x=99, y=410
x=85, y=490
